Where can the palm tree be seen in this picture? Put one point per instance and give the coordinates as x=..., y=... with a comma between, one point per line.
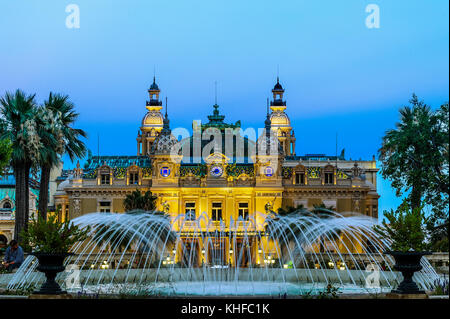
x=412, y=151
x=137, y=201
x=18, y=125
x=323, y=211
x=48, y=155
x=5, y=155
x=291, y=209
x=57, y=118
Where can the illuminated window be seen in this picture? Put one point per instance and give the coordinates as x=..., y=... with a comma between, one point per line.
x=328, y=178
x=300, y=178
x=134, y=178
x=105, y=179
x=105, y=207
x=243, y=211
x=190, y=211
x=216, y=213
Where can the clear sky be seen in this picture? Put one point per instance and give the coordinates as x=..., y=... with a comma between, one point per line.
x=340, y=76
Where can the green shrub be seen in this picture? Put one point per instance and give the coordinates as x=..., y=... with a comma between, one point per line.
x=329, y=292
x=405, y=227
x=51, y=236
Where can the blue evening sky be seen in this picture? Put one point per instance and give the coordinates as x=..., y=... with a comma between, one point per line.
x=340, y=76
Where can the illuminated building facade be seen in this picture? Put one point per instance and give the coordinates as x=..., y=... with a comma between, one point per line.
x=225, y=189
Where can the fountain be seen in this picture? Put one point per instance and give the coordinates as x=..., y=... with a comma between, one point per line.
x=151, y=253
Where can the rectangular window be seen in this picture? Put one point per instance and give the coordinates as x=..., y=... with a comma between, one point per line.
x=104, y=179
x=190, y=211
x=216, y=213
x=134, y=178
x=300, y=179
x=243, y=211
x=105, y=207
x=328, y=178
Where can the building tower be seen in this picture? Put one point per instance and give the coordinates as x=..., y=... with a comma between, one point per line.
x=268, y=157
x=280, y=121
x=165, y=164
x=152, y=123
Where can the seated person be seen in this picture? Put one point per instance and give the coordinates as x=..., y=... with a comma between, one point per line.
x=13, y=256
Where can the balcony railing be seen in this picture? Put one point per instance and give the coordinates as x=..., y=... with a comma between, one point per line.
x=5, y=214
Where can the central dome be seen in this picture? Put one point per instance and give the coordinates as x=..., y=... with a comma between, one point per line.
x=153, y=119
x=280, y=119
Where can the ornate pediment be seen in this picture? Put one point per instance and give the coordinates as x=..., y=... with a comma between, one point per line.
x=299, y=168
x=217, y=158
x=104, y=169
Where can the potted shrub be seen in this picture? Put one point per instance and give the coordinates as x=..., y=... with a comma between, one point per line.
x=50, y=241
x=405, y=227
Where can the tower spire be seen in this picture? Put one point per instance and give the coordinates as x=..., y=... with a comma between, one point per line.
x=278, y=73
x=267, y=122
x=166, y=127
x=166, y=107
x=215, y=92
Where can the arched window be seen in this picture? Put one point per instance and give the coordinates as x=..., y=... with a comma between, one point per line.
x=104, y=175
x=328, y=175
x=7, y=205
x=133, y=175
x=300, y=175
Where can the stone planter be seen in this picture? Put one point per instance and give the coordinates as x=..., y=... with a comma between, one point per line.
x=50, y=264
x=407, y=263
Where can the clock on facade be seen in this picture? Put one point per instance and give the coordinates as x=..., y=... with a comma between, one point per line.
x=268, y=171
x=216, y=171
x=165, y=171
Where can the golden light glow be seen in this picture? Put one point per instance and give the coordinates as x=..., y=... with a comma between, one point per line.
x=104, y=265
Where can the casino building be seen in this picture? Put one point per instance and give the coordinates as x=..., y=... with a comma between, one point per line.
x=216, y=179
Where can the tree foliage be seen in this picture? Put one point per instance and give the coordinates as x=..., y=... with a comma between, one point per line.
x=405, y=227
x=56, y=119
x=137, y=201
x=290, y=209
x=51, y=236
x=415, y=158
x=5, y=154
x=18, y=125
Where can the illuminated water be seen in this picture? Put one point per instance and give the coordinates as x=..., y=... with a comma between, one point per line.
x=297, y=254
